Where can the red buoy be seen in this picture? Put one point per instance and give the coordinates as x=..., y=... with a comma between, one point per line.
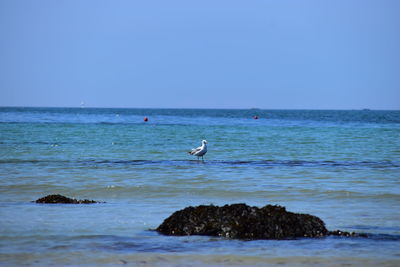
x=146, y=119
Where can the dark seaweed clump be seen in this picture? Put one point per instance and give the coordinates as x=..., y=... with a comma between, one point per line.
x=59, y=199
x=241, y=221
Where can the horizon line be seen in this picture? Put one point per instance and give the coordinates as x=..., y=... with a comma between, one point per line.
x=199, y=108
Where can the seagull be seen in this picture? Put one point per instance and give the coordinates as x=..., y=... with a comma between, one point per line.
x=200, y=151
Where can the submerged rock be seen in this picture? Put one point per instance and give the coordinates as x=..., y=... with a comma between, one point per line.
x=346, y=234
x=243, y=222
x=59, y=199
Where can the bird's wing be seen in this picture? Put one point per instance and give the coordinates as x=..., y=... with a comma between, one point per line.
x=201, y=152
x=195, y=150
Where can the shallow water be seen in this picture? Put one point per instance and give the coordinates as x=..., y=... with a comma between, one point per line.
x=342, y=166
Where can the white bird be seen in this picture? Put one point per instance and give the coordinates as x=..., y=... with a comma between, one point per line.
x=200, y=151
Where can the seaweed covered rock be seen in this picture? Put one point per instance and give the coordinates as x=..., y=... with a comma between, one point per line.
x=59, y=199
x=242, y=222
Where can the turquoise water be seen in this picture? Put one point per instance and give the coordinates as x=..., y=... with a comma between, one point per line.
x=342, y=166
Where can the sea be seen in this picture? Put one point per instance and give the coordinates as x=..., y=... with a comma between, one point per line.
x=340, y=165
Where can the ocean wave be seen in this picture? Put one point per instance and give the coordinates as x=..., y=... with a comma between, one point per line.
x=222, y=163
x=211, y=189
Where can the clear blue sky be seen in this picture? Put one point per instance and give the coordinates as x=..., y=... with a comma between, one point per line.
x=339, y=54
